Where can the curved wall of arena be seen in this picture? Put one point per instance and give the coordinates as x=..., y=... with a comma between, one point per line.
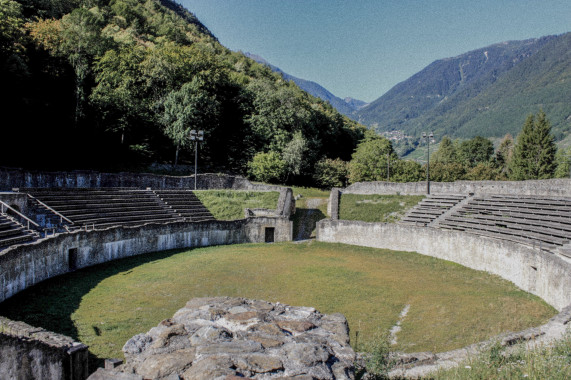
x=33, y=353
x=538, y=272
x=25, y=265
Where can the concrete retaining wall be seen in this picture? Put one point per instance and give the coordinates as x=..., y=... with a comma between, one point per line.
x=26, y=265
x=15, y=178
x=534, y=271
x=28, y=352
x=546, y=187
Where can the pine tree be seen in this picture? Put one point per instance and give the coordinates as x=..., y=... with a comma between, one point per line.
x=504, y=155
x=534, y=153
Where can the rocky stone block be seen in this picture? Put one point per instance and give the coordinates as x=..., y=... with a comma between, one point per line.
x=227, y=338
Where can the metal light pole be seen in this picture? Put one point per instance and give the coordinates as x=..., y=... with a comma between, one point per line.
x=427, y=138
x=196, y=137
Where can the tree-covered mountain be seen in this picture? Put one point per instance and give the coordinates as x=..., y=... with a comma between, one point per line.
x=114, y=84
x=487, y=92
x=347, y=106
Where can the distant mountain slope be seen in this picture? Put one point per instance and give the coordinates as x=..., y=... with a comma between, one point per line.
x=347, y=106
x=486, y=92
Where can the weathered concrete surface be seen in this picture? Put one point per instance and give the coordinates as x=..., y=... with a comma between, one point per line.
x=28, y=352
x=540, y=273
x=11, y=178
x=26, y=265
x=333, y=203
x=548, y=187
x=217, y=338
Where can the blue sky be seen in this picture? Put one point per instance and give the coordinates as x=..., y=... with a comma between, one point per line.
x=361, y=48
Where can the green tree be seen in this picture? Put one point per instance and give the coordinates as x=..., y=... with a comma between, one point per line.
x=406, y=171
x=81, y=40
x=446, y=152
x=534, y=152
x=120, y=88
x=194, y=106
x=451, y=172
x=484, y=171
x=279, y=111
x=331, y=173
x=293, y=155
x=504, y=156
x=11, y=28
x=369, y=162
x=475, y=151
x=267, y=167
x=563, y=162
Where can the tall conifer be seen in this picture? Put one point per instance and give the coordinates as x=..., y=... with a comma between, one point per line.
x=534, y=153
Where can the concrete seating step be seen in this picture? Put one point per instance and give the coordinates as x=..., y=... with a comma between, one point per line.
x=519, y=219
x=471, y=227
x=522, y=228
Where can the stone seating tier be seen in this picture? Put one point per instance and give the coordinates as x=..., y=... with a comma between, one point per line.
x=186, y=204
x=123, y=206
x=430, y=208
x=13, y=233
x=525, y=219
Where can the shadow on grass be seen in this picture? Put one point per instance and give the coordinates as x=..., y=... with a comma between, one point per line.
x=304, y=221
x=56, y=299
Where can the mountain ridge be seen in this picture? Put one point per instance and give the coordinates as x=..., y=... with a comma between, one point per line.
x=482, y=91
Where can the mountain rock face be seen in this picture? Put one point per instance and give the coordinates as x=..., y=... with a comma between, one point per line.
x=231, y=338
x=347, y=106
x=486, y=92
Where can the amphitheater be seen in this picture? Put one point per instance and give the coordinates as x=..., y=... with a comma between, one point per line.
x=58, y=222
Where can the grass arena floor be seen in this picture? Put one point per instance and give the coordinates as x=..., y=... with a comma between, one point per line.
x=450, y=305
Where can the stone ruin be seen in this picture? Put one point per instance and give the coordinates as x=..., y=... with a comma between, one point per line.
x=237, y=338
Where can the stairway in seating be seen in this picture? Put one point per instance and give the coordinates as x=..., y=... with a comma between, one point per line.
x=534, y=220
x=186, y=204
x=12, y=232
x=106, y=207
x=430, y=208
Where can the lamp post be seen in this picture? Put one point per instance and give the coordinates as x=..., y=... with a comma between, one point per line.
x=196, y=137
x=427, y=138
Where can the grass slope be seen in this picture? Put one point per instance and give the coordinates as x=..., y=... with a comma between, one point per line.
x=230, y=204
x=376, y=208
x=551, y=362
x=310, y=207
x=450, y=305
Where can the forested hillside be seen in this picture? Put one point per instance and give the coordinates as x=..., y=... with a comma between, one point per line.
x=116, y=84
x=487, y=92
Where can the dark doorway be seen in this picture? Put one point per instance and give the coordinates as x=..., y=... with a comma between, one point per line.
x=270, y=231
x=72, y=259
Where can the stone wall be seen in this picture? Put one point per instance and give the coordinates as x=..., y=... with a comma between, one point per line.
x=19, y=200
x=28, y=352
x=538, y=272
x=547, y=187
x=16, y=178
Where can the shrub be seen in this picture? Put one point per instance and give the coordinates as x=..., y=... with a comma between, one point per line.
x=267, y=167
x=331, y=173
